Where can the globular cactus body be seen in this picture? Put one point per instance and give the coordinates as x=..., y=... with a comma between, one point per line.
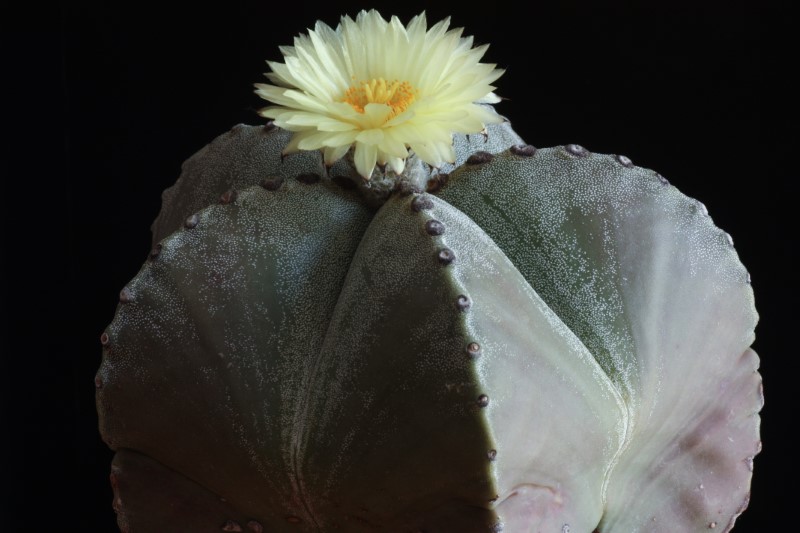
x=550, y=340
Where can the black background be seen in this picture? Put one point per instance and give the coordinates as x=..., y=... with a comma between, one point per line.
x=102, y=106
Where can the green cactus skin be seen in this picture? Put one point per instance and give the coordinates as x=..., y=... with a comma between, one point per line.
x=497, y=354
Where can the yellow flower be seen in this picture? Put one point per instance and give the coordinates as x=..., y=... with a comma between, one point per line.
x=382, y=87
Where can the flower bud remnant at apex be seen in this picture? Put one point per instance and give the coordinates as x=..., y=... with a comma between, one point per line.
x=382, y=87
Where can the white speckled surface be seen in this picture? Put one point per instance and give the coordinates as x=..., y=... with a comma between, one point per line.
x=315, y=376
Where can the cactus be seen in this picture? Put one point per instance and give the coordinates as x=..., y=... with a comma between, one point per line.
x=507, y=348
x=523, y=340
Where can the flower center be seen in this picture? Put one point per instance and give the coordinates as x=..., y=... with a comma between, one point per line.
x=396, y=94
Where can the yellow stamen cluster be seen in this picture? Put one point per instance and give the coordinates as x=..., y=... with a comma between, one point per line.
x=396, y=94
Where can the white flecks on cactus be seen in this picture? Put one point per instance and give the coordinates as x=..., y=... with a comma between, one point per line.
x=554, y=339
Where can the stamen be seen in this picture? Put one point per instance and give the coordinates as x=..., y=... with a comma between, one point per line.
x=396, y=94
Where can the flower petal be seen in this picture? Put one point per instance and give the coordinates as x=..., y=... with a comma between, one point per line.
x=317, y=140
x=373, y=136
x=365, y=158
x=332, y=154
x=397, y=164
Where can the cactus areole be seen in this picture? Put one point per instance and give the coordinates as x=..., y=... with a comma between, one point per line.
x=383, y=311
